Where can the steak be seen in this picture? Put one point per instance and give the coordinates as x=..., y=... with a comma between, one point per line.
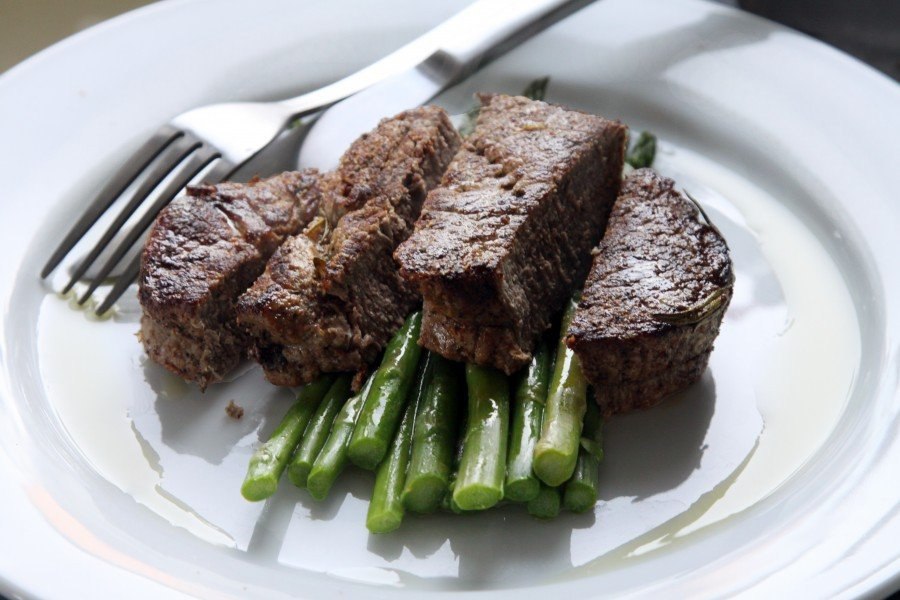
x=203, y=251
x=505, y=239
x=654, y=299
x=331, y=298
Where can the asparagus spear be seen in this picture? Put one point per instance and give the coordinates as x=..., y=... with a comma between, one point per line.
x=386, y=506
x=434, y=438
x=557, y=451
x=479, y=484
x=447, y=502
x=268, y=462
x=333, y=457
x=546, y=504
x=383, y=407
x=643, y=152
x=581, y=490
x=317, y=431
x=525, y=429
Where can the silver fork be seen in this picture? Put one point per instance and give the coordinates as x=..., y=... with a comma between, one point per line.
x=215, y=141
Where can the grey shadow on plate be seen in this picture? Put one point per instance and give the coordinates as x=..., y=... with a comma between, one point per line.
x=491, y=546
x=195, y=423
x=653, y=451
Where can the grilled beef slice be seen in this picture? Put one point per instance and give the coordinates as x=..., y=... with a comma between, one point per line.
x=654, y=299
x=203, y=251
x=331, y=297
x=504, y=240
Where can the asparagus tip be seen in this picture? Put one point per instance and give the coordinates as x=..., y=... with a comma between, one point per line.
x=522, y=490
x=367, y=453
x=579, y=498
x=477, y=496
x=552, y=466
x=384, y=522
x=259, y=488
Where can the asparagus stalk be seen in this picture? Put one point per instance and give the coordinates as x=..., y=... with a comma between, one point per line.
x=643, y=152
x=434, y=438
x=556, y=452
x=383, y=407
x=479, y=484
x=333, y=457
x=546, y=504
x=447, y=503
x=581, y=491
x=269, y=461
x=525, y=429
x=317, y=431
x=386, y=507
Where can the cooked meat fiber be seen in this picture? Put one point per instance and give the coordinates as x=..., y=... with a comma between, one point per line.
x=203, y=251
x=331, y=298
x=504, y=240
x=654, y=299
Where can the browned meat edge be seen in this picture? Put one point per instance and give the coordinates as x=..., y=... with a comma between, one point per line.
x=330, y=298
x=203, y=251
x=505, y=239
x=656, y=258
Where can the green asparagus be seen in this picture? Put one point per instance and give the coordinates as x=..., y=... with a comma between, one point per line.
x=386, y=506
x=384, y=404
x=525, y=428
x=556, y=452
x=479, y=484
x=317, y=431
x=581, y=490
x=546, y=504
x=333, y=457
x=268, y=462
x=643, y=152
x=434, y=438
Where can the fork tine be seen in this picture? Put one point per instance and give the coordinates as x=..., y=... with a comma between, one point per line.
x=196, y=164
x=119, y=182
x=122, y=283
x=220, y=172
x=168, y=161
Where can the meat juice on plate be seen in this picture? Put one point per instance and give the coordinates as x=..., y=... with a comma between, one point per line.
x=776, y=386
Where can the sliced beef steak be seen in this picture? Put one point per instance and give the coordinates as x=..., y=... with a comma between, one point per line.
x=203, y=251
x=504, y=240
x=331, y=297
x=654, y=299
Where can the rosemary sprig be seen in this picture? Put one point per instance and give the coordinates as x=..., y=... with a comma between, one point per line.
x=706, y=218
x=699, y=311
x=537, y=89
x=643, y=151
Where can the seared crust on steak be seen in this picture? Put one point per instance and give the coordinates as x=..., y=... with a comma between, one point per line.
x=331, y=298
x=654, y=299
x=203, y=251
x=504, y=240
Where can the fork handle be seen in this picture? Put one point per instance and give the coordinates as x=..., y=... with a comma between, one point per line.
x=453, y=50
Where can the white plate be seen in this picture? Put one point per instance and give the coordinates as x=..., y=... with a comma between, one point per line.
x=775, y=475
